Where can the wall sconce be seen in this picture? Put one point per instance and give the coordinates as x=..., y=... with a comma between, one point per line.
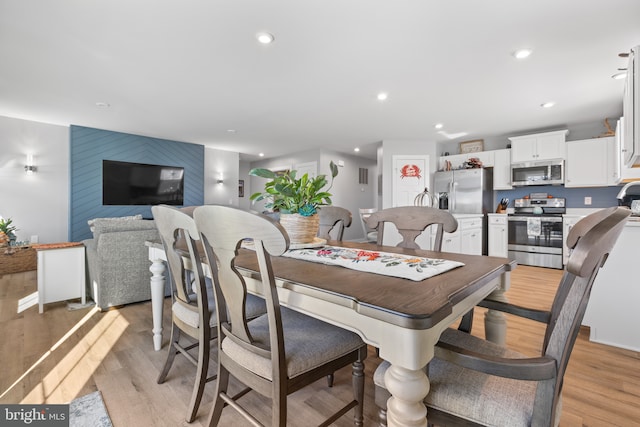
x=30, y=168
x=220, y=178
x=220, y=181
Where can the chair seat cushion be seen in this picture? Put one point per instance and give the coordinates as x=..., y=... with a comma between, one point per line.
x=309, y=343
x=485, y=399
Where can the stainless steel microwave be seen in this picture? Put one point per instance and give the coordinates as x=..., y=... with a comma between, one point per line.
x=539, y=172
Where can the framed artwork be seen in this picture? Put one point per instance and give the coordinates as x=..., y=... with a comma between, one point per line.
x=241, y=188
x=472, y=146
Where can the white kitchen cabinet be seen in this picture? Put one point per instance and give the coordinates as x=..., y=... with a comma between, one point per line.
x=467, y=239
x=568, y=221
x=502, y=169
x=541, y=146
x=588, y=162
x=498, y=237
x=612, y=310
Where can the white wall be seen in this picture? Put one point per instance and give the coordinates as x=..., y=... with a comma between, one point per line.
x=346, y=191
x=219, y=164
x=393, y=147
x=39, y=203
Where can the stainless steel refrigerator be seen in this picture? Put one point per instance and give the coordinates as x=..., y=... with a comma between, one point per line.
x=464, y=191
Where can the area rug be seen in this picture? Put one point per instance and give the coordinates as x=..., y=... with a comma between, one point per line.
x=89, y=411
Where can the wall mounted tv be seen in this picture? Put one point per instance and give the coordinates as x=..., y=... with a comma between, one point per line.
x=125, y=183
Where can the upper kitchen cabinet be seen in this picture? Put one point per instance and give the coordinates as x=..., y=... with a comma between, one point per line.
x=502, y=169
x=592, y=163
x=540, y=146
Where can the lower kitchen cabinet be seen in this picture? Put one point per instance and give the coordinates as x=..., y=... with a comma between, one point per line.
x=498, y=237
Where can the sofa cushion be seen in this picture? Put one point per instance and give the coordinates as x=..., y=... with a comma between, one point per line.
x=109, y=226
x=91, y=222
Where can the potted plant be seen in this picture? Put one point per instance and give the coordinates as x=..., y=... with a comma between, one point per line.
x=7, y=229
x=296, y=200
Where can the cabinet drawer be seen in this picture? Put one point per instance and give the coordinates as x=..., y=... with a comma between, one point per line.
x=497, y=219
x=468, y=223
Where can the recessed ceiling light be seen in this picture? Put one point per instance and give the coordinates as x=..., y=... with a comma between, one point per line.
x=102, y=104
x=356, y=149
x=438, y=126
x=548, y=104
x=522, y=53
x=382, y=96
x=619, y=76
x=231, y=131
x=261, y=154
x=265, y=38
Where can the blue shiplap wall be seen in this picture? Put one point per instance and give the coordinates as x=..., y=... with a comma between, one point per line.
x=90, y=146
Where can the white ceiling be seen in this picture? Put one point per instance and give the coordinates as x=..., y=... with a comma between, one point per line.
x=191, y=70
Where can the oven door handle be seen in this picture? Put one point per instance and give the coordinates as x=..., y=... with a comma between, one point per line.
x=542, y=218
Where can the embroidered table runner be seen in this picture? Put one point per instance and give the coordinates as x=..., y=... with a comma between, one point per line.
x=385, y=263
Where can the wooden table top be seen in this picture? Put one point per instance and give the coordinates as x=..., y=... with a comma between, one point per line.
x=416, y=305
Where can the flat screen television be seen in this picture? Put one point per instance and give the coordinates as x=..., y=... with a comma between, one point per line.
x=125, y=183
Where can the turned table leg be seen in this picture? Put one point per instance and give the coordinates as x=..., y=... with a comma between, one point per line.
x=157, y=299
x=408, y=389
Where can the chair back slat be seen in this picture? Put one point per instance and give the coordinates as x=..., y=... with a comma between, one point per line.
x=333, y=221
x=411, y=221
x=178, y=233
x=591, y=240
x=223, y=230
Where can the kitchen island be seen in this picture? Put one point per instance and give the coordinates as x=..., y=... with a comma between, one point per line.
x=615, y=297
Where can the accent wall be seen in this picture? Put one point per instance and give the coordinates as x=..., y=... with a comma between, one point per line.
x=89, y=147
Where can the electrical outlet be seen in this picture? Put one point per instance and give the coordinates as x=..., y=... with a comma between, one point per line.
x=587, y=200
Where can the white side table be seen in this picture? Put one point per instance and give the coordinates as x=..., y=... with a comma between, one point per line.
x=61, y=272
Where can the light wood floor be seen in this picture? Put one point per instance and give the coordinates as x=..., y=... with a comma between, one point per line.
x=61, y=354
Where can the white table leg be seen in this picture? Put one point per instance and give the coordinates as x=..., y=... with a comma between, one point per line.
x=408, y=389
x=495, y=323
x=157, y=300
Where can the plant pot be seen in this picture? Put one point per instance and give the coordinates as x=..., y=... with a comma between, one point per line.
x=301, y=229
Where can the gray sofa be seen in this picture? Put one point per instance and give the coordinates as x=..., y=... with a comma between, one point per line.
x=117, y=261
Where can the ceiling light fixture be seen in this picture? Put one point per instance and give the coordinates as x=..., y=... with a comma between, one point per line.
x=357, y=150
x=265, y=38
x=231, y=131
x=548, y=104
x=102, y=104
x=382, y=96
x=261, y=154
x=522, y=53
x=619, y=76
x=438, y=126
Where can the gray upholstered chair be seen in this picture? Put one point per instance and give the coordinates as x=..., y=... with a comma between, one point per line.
x=193, y=305
x=333, y=221
x=411, y=221
x=272, y=354
x=476, y=382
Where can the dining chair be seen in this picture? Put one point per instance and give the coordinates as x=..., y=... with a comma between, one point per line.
x=193, y=308
x=411, y=221
x=333, y=221
x=282, y=351
x=476, y=382
x=370, y=235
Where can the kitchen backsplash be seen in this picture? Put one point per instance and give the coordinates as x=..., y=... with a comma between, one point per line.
x=601, y=197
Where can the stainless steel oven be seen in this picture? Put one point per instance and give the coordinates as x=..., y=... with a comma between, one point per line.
x=535, y=231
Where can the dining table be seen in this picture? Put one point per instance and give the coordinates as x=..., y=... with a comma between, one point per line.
x=402, y=318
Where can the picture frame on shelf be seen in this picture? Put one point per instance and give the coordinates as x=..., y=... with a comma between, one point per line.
x=473, y=146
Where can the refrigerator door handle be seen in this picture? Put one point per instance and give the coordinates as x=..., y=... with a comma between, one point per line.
x=452, y=196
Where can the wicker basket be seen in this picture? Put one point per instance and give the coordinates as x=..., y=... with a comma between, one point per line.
x=301, y=229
